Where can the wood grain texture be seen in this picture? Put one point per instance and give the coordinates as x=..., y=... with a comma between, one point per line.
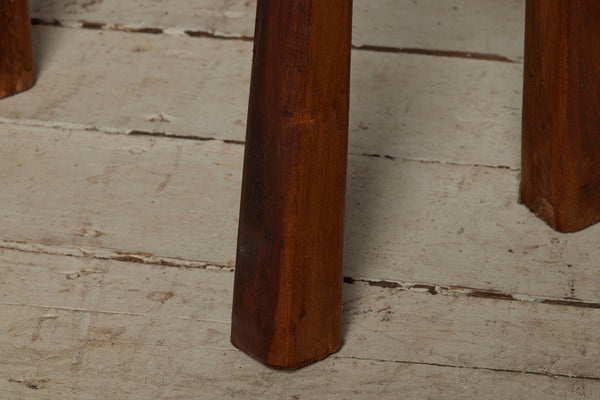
x=16, y=51
x=289, y=262
x=561, y=122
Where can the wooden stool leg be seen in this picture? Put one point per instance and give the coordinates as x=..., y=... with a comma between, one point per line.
x=16, y=53
x=561, y=113
x=287, y=301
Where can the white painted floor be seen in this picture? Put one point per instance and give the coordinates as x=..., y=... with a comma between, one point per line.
x=120, y=173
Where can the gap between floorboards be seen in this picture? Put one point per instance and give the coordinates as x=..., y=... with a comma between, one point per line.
x=431, y=289
x=208, y=35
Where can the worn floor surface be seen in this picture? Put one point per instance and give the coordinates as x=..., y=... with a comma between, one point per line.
x=120, y=175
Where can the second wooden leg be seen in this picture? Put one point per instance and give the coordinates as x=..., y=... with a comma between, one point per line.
x=561, y=113
x=16, y=53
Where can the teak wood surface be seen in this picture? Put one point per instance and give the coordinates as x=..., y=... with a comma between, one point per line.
x=16, y=52
x=288, y=285
x=561, y=113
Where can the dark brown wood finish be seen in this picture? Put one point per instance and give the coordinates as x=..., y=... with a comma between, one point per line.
x=561, y=113
x=288, y=282
x=16, y=52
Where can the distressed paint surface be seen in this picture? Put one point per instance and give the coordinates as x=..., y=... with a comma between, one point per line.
x=91, y=189
x=406, y=221
x=487, y=27
x=402, y=105
x=116, y=251
x=110, y=324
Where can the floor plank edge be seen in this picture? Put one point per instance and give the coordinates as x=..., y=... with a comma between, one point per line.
x=525, y=372
x=109, y=312
x=437, y=53
x=425, y=161
x=182, y=32
x=171, y=135
x=454, y=291
x=28, y=123
x=431, y=289
x=114, y=255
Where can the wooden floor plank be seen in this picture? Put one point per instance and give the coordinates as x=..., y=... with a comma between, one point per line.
x=134, y=194
x=407, y=221
x=122, y=81
x=431, y=222
x=76, y=284
x=178, y=345
x=491, y=26
x=467, y=332
x=170, y=373
x=409, y=106
x=499, y=306
x=449, y=110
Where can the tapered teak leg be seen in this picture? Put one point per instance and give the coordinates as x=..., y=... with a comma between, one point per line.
x=561, y=113
x=288, y=282
x=16, y=53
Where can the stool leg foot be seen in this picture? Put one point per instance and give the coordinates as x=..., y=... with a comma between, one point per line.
x=561, y=113
x=16, y=52
x=287, y=301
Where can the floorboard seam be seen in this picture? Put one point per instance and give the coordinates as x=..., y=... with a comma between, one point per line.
x=149, y=259
x=171, y=31
x=537, y=373
x=465, y=291
x=420, y=160
x=109, y=312
x=163, y=134
x=114, y=255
